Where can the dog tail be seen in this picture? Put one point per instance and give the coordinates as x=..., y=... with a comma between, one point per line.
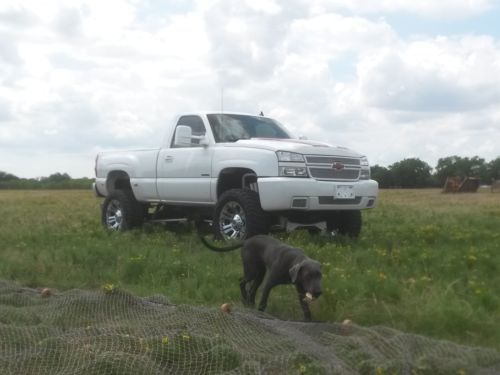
x=220, y=249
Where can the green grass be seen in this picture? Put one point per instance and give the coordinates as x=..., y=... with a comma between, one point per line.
x=425, y=263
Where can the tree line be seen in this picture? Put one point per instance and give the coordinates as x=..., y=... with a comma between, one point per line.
x=54, y=181
x=415, y=173
x=408, y=173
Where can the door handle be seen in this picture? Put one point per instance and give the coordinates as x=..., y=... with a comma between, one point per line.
x=169, y=158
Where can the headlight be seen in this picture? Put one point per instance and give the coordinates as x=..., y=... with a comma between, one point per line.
x=365, y=169
x=293, y=171
x=289, y=156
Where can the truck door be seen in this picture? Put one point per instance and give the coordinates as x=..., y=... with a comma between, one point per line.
x=183, y=173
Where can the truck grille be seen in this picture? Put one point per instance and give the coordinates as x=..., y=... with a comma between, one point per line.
x=332, y=159
x=324, y=167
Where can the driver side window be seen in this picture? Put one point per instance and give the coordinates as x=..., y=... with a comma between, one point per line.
x=196, y=125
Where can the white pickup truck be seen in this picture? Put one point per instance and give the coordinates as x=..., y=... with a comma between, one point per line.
x=243, y=173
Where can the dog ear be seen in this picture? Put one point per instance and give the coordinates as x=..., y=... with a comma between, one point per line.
x=294, y=271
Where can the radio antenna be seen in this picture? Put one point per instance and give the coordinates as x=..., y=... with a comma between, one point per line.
x=222, y=100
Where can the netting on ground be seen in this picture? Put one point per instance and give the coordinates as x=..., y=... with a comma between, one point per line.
x=113, y=332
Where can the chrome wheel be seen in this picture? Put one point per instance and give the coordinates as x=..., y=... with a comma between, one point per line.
x=120, y=211
x=238, y=215
x=114, y=215
x=232, y=221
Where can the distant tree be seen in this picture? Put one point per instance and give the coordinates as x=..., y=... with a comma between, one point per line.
x=462, y=167
x=493, y=168
x=58, y=177
x=434, y=181
x=4, y=176
x=382, y=175
x=411, y=173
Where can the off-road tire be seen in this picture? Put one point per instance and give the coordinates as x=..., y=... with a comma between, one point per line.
x=120, y=211
x=236, y=204
x=346, y=223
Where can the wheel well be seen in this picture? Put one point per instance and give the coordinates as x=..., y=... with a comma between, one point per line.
x=236, y=178
x=118, y=180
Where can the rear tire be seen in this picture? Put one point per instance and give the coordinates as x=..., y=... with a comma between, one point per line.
x=121, y=211
x=346, y=223
x=238, y=215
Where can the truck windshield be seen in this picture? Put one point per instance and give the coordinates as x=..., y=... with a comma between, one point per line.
x=230, y=127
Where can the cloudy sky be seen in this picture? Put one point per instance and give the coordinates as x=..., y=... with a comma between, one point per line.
x=391, y=78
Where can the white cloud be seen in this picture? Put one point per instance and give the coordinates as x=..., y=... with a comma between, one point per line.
x=5, y=110
x=9, y=53
x=68, y=22
x=92, y=75
x=428, y=8
x=15, y=16
x=438, y=75
x=322, y=40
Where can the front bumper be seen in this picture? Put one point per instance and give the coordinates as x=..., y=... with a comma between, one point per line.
x=288, y=193
x=96, y=190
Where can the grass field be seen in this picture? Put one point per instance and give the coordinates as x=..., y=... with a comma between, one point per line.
x=426, y=262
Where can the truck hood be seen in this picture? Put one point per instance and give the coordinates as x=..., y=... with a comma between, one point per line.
x=300, y=146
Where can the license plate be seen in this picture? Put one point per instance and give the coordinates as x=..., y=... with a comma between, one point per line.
x=344, y=192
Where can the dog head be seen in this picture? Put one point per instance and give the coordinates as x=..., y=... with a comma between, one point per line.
x=307, y=274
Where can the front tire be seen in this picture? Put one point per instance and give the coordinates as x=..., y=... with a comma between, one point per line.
x=121, y=211
x=346, y=223
x=238, y=215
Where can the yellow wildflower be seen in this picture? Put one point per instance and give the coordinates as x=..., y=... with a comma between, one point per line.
x=109, y=288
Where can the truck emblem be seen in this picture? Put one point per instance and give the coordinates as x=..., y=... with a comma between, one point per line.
x=338, y=166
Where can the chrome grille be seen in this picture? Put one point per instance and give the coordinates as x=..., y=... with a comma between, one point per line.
x=323, y=167
x=333, y=174
x=332, y=159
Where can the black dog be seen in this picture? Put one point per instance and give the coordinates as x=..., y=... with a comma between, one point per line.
x=286, y=265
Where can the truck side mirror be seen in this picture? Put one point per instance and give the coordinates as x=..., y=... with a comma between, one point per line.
x=182, y=137
x=204, y=141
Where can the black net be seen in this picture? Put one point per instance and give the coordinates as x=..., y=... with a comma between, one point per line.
x=112, y=332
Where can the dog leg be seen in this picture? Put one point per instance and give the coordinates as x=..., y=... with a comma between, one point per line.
x=255, y=285
x=304, y=304
x=244, y=294
x=254, y=270
x=305, y=307
x=270, y=283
